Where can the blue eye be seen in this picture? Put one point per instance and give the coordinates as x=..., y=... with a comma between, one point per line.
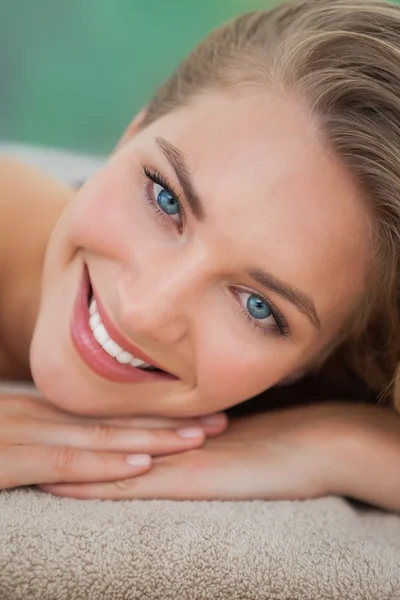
x=162, y=199
x=165, y=200
x=258, y=308
x=260, y=313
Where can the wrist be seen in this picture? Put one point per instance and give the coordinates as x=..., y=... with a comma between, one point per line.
x=367, y=459
x=338, y=449
x=350, y=447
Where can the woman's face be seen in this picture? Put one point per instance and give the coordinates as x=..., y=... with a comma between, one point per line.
x=223, y=242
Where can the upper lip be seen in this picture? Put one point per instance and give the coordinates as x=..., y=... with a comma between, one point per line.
x=121, y=340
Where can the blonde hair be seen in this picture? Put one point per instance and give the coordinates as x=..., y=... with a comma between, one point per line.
x=341, y=59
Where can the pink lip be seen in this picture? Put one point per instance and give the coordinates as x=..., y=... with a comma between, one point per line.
x=93, y=354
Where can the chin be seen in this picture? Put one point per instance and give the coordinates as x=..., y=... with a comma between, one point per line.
x=49, y=379
x=55, y=381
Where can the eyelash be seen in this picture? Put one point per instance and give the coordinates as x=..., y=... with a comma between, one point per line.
x=153, y=176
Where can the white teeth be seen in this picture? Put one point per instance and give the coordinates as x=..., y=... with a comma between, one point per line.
x=101, y=334
x=112, y=348
x=93, y=307
x=136, y=362
x=124, y=358
x=94, y=321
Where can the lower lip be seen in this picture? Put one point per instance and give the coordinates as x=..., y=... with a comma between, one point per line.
x=93, y=354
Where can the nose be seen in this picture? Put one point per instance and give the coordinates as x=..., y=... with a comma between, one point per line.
x=159, y=302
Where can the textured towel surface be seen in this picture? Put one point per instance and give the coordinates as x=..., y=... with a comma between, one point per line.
x=62, y=549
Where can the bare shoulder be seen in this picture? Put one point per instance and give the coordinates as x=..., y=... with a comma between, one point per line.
x=30, y=204
x=30, y=201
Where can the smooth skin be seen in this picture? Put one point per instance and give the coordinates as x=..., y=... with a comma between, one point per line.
x=274, y=200
x=40, y=443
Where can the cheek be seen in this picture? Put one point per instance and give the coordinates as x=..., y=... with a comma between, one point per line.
x=106, y=217
x=229, y=378
x=97, y=219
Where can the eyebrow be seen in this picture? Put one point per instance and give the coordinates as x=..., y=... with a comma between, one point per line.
x=178, y=162
x=302, y=301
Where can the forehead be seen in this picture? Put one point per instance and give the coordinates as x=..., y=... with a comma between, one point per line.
x=269, y=184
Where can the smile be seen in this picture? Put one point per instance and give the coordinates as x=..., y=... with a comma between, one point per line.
x=102, y=347
x=102, y=336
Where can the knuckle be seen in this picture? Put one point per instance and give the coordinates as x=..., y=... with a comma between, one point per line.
x=13, y=427
x=103, y=433
x=123, y=485
x=65, y=460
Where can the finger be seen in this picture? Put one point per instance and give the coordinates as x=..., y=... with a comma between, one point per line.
x=166, y=481
x=156, y=487
x=214, y=424
x=101, y=437
x=211, y=424
x=191, y=476
x=27, y=465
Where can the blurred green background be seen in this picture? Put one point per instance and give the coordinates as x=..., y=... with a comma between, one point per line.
x=74, y=72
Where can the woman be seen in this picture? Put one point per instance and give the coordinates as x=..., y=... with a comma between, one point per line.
x=244, y=231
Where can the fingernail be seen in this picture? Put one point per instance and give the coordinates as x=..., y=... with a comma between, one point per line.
x=138, y=460
x=218, y=419
x=190, y=432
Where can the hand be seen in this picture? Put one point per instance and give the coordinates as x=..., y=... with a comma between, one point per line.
x=41, y=444
x=286, y=454
x=292, y=454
